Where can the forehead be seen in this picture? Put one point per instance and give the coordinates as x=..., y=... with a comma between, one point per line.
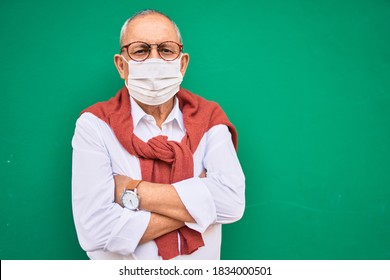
x=151, y=28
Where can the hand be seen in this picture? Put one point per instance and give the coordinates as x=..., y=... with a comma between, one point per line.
x=203, y=174
x=121, y=182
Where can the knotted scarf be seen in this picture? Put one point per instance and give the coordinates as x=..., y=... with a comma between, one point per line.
x=164, y=161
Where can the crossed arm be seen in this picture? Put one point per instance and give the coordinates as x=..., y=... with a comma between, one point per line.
x=168, y=212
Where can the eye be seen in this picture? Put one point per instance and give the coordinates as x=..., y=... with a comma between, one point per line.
x=139, y=51
x=166, y=50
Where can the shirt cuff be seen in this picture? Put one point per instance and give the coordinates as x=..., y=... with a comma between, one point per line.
x=198, y=201
x=128, y=232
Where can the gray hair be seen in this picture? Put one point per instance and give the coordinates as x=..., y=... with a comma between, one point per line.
x=143, y=13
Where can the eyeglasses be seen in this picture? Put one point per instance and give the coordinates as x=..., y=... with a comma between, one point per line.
x=140, y=51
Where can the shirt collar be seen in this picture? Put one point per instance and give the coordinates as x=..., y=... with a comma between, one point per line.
x=138, y=114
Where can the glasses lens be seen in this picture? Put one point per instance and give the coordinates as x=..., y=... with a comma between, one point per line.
x=138, y=51
x=169, y=50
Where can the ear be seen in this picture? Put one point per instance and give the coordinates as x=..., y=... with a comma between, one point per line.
x=121, y=66
x=185, y=59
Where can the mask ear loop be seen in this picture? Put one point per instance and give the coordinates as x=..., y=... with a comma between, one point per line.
x=125, y=59
x=128, y=65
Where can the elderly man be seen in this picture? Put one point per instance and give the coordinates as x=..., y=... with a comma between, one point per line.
x=155, y=171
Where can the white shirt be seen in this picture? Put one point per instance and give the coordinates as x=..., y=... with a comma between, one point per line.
x=108, y=231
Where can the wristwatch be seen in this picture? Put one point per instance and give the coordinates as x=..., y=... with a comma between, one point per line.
x=130, y=198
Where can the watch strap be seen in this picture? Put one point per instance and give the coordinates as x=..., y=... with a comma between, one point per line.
x=133, y=185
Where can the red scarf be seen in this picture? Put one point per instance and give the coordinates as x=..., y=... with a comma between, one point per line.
x=164, y=161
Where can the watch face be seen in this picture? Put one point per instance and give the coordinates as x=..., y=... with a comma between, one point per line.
x=130, y=200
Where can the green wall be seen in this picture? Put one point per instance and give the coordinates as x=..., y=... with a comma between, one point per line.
x=307, y=83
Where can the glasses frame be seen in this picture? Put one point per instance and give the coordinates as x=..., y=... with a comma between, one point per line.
x=150, y=50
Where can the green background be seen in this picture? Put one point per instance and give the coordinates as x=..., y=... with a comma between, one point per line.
x=307, y=84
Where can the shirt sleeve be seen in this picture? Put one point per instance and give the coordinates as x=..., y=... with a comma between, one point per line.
x=100, y=222
x=220, y=197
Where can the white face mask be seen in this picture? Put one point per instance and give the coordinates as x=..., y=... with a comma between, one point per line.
x=153, y=81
